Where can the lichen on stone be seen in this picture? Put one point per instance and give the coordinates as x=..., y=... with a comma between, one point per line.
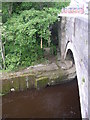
x=83, y=80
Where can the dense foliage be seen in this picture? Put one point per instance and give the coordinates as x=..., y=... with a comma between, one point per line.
x=24, y=25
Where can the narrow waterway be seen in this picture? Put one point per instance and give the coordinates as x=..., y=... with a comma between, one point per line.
x=60, y=101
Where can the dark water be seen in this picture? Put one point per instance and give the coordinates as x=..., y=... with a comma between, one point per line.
x=60, y=101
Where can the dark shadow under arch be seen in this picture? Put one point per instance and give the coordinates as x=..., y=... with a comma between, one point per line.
x=69, y=56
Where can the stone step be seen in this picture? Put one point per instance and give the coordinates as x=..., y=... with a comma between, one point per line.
x=65, y=64
x=68, y=64
x=71, y=73
x=71, y=70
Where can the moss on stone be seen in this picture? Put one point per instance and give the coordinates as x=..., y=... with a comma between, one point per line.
x=6, y=86
x=57, y=78
x=83, y=80
x=22, y=83
x=26, y=74
x=18, y=83
x=31, y=81
x=41, y=82
x=15, y=83
x=28, y=80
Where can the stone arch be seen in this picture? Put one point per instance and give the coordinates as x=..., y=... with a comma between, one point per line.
x=69, y=54
x=69, y=59
x=68, y=47
x=77, y=44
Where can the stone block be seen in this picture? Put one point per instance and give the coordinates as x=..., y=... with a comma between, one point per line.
x=6, y=86
x=15, y=83
x=22, y=83
x=60, y=79
x=41, y=82
x=31, y=81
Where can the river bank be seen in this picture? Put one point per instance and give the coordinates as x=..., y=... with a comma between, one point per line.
x=38, y=76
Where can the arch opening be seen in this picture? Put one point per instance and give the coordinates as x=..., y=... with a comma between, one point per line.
x=70, y=57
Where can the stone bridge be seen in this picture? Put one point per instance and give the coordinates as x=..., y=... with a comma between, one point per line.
x=73, y=38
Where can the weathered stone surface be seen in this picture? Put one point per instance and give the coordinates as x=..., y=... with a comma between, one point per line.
x=41, y=82
x=63, y=64
x=22, y=83
x=31, y=81
x=14, y=82
x=41, y=67
x=49, y=74
x=74, y=36
x=6, y=86
x=52, y=74
x=17, y=83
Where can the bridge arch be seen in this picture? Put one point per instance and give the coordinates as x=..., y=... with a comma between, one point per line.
x=69, y=56
x=81, y=76
x=73, y=36
x=69, y=53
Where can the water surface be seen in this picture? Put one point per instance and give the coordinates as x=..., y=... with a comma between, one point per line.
x=60, y=101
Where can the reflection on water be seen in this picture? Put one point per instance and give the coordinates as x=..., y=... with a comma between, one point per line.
x=60, y=101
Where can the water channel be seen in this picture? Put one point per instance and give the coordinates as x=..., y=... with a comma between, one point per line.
x=59, y=101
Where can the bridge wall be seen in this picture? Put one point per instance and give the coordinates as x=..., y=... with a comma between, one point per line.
x=73, y=35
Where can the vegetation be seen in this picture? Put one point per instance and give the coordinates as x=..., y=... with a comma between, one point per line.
x=25, y=25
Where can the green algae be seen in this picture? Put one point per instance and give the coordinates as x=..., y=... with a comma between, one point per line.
x=27, y=74
x=27, y=80
x=83, y=80
x=31, y=81
x=15, y=83
x=41, y=82
x=18, y=83
x=22, y=83
x=6, y=86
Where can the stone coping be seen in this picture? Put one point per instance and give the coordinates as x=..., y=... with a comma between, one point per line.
x=74, y=15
